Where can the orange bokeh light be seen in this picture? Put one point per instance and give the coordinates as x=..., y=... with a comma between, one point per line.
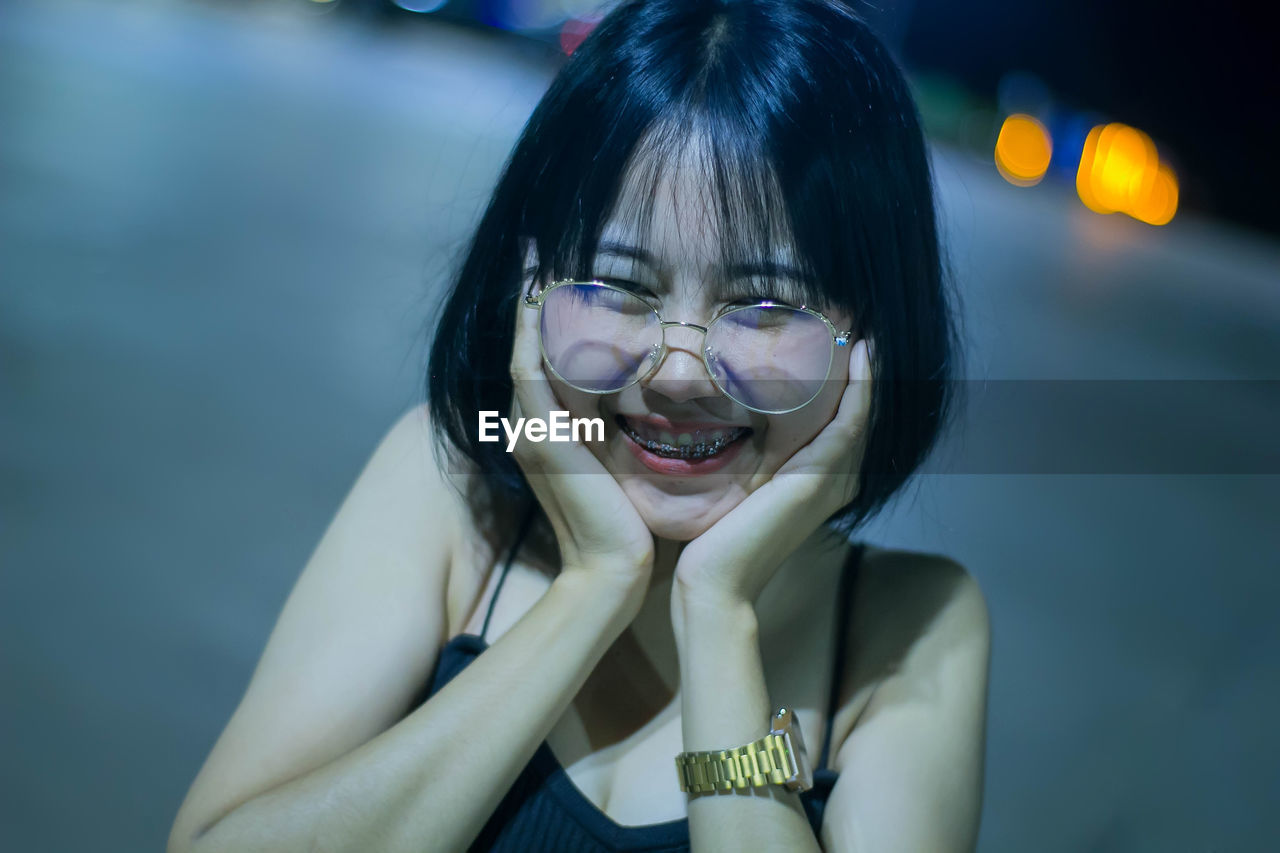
x=1159, y=205
x=1084, y=175
x=1023, y=150
x=1124, y=166
x=1120, y=171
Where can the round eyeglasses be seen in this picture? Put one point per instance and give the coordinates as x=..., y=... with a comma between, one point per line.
x=768, y=357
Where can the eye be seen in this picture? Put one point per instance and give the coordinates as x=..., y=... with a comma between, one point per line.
x=631, y=287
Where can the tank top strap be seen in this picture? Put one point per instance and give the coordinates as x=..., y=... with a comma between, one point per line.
x=848, y=576
x=525, y=524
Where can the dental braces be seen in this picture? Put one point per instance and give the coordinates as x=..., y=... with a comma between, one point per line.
x=688, y=451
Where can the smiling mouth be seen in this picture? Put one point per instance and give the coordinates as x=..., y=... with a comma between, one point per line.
x=698, y=444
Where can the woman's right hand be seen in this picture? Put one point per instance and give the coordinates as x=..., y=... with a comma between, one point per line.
x=597, y=527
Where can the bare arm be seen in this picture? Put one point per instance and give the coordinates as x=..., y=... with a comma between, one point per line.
x=726, y=702
x=313, y=758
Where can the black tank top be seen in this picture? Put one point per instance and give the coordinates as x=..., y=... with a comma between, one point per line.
x=545, y=811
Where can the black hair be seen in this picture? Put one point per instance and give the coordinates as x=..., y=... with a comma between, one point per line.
x=813, y=135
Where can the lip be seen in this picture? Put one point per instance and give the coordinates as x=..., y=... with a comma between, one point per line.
x=682, y=467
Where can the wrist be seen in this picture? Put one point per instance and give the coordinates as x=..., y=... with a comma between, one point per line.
x=698, y=595
x=618, y=592
x=708, y=618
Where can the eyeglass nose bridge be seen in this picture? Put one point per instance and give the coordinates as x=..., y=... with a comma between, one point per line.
x=665, y=350
x=660, y=355
x=665, y=323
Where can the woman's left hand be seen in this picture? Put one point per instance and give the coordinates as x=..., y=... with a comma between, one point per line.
x=732, y=561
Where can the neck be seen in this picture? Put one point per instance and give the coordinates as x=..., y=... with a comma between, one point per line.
x=651, y=629
x=652, y=633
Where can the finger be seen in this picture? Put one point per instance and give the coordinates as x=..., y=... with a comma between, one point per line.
x=528, y=377
x=839, y=437
x=534, y=397
x=526, y=354
x=859, y=410
x=855, y=402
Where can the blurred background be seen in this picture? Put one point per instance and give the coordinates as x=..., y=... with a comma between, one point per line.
x=223, y=229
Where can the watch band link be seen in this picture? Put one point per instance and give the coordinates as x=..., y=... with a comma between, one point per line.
x=767, y=761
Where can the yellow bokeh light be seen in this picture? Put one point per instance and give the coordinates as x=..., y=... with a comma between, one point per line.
x=1124, y=166
x=1023, y=150
x=1121, y=171
x=1161, y=202
x=1084, y=175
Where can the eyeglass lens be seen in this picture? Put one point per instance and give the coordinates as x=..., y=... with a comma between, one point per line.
x=768, y=358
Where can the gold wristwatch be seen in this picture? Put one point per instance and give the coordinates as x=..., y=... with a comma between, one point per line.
x=778, y=758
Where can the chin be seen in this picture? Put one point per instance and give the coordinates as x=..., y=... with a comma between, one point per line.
x=679, y=518
x=676, y=529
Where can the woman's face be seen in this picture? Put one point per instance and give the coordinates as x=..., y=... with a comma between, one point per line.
x=680, y=499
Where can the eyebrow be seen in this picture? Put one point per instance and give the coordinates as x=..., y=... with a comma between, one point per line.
x=610, y=247
x=747, y=269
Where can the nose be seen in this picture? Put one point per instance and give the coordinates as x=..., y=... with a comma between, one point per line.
x=682, y=375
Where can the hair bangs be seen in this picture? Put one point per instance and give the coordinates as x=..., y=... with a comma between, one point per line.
x=736, y=195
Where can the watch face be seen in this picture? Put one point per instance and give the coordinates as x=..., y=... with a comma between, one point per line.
x=789, y=724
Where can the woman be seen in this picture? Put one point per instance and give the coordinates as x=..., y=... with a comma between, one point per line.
x=543, y=645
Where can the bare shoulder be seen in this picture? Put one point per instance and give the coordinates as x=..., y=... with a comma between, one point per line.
x=908, y=741
x=409, y=496
x=912, y=612
x=356, y=637
x=907, y=594
x=434, y=491
x=418, y=469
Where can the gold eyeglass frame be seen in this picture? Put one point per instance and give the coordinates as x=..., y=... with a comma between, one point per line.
x=838, y=339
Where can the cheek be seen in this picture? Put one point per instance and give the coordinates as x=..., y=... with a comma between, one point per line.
x=799, y=428
x=577, y=403
x=788, y=433
x=580, y=404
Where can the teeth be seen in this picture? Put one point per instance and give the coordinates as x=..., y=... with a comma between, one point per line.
x=684, y=446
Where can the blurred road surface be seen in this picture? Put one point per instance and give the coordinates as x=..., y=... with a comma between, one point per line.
x=221, y=231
